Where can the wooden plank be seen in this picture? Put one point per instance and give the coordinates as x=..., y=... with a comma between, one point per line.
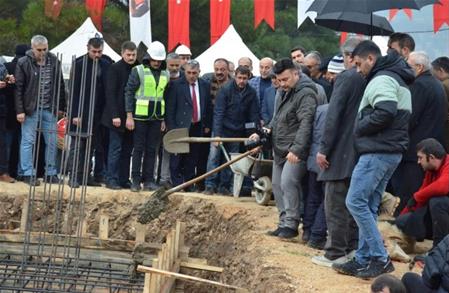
x=170, y=282
x=144, y=269
x=195, y=260
x=153, y=278
x=140, y=232
x=103, y=229
x=203, y=267
x=146, y=285
x=159, y=266
x=86, y=242
x=177, y=236
x=169, y=260
x=83, y=227
x=24, y=217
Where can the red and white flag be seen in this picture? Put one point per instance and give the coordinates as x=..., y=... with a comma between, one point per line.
x=178, y=23
x=95, y=8
x=264, y=10
x=220, y=18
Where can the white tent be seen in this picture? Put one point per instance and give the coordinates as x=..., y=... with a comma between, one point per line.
x=76, y=44
x=231, y=47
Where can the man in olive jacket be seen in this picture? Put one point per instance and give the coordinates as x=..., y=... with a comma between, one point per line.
x=291, y=130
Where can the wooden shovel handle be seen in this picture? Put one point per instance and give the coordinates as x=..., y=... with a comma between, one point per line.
x=199, y=178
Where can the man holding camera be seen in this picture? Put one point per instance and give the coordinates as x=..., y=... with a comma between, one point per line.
x=291, y=132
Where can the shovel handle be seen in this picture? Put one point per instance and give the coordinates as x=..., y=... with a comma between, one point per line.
x=213, y=171
x=211, y=139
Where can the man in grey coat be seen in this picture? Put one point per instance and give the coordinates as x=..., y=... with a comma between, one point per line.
x=291, y=130
x=337, y=157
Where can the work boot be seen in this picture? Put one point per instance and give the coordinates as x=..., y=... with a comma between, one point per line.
x=287, y=233
x=6, y=178
x=31, y=180
x=92, y=182
x=317, y=243
x=274, y=232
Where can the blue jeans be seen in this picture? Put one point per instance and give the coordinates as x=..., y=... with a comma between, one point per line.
x=368, y=182
x=29, y=126
x=224, y=178
x=119, y=156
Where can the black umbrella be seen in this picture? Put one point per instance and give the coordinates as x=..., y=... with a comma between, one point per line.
x=366, y=6
x=354, y=22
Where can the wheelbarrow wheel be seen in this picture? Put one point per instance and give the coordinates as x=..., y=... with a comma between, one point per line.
x=262, y=190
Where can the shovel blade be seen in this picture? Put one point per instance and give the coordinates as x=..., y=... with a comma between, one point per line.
x=171, y=143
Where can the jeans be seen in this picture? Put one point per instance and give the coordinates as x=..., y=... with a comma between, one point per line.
x=368, y=182
x=222, y=180
x=146, y=138
x=314, y=217
x=119, y=156
x=29, y=126
x=286, y=181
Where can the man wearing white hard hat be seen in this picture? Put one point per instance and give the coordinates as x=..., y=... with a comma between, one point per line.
x=145, y=110
x=184, y=53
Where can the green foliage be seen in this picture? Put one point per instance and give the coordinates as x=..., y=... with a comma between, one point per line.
x=21, y=19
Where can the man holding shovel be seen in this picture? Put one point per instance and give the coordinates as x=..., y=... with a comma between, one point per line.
x=291, y=131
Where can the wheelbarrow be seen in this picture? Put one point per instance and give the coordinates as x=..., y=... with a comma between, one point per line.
x=258, y=169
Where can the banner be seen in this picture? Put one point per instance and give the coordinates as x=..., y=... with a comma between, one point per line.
x=53, y=8
x=178, y=23
x=264, y=10
x=95, y=9
x=140, y=21
x=392, y=13
x=440, y=15
x=343, y=37
x=220, y=18
x=303, y=5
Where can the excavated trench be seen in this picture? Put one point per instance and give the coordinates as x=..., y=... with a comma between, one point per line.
x=224, y=235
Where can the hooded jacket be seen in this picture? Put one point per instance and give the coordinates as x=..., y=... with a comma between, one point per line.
x=383, y=117
x=436, y=270
x=27, y=83
x=293, y=120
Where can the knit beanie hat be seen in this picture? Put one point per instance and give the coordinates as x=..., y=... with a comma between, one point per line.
x=336, y=64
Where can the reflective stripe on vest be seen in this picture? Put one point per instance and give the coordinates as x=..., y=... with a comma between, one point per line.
x=148, y=93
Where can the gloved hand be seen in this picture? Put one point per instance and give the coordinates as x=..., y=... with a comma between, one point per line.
x=411, y=202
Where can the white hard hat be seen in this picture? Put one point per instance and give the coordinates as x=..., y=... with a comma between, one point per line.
x=157, y=51
x=183, y=50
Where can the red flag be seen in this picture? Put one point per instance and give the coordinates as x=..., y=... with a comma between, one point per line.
x=95, y=9
x=178, y=23
x=440, y=14
x=264, y=10
x=53, y=8
x=393, y=13
x=343, y=37
x=220, y=17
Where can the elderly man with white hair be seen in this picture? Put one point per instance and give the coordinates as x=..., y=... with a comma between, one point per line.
x=429, y=110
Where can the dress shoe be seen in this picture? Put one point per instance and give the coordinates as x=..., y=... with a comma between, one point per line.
x=6, y=178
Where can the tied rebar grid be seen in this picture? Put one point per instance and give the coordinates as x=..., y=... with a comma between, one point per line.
x=47, y=265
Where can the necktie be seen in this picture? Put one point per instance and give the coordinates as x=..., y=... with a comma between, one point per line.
x=194, y=104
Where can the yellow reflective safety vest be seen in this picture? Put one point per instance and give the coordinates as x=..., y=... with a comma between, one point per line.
x=150, y=103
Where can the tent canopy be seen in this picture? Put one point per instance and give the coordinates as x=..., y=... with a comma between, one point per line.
x=76, y=44
x=231, y=47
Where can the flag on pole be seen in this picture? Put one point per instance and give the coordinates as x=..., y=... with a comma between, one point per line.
x=440, y=15
x=264, y=10
x=140, y=21
x=392, y=13
x=303, y=5
x=53, y=8
x=95, y=9
x=220, y=18
x=178, y=23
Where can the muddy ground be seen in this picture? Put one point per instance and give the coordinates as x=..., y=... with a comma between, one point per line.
x=229, y=232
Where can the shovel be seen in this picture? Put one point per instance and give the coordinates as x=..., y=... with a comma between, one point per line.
x=177, y=141
x=158, y=202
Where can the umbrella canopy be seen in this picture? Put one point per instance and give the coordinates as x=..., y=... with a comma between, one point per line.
x=354, y=22
x=366, y=6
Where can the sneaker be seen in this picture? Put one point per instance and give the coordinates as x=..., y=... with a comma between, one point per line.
x=53, y=179
x=135, y=186
x=287, y=233
x=321, y=260
x=274, y=232
x=6, y=178
x=376, y=268
x=316, y=243
x=150, y=186
x=32, y=181
x=350, y=268
x=209, y=190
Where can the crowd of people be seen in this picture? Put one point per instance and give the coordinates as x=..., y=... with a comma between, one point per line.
x=343, y=131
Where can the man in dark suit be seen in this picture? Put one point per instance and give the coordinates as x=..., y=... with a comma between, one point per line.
x=188, y=106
